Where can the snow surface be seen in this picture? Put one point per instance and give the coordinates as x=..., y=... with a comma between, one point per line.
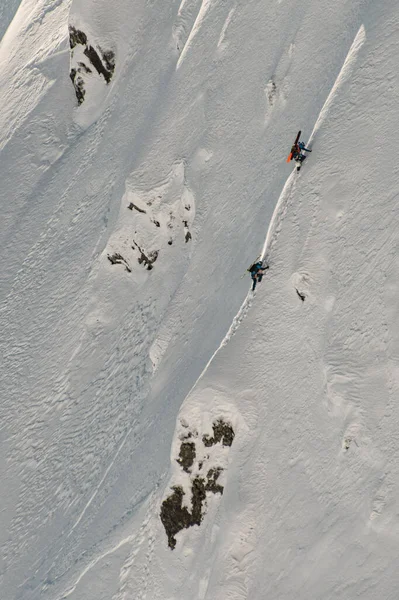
x=107, y=368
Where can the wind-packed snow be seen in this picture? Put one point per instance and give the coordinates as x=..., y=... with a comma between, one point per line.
x=137, y=369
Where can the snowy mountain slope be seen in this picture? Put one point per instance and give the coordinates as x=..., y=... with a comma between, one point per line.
x=193, y=129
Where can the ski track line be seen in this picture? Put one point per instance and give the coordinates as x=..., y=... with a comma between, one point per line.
x=222, y=35
x=136, y=537
x=100, y=483
x=83, y=513
x=343, y=76
x=93, y=563
x=197, y=24
x=181, y=7
x=278, y=215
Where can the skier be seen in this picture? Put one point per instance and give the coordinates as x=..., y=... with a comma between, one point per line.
x=296, y=151
x=257, y=270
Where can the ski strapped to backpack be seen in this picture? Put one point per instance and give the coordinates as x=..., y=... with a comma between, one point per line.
x=254, y=263
x=289, y=157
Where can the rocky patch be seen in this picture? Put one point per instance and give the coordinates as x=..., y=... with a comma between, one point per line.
x=78, y=84
x=187, y=234
x=222, y=432
x=117, y=259
x=186, y=456
x=133, y=206
x=175, y=516
x=88, y=62
x=193, y=456
x=301, y=295
x=156, y=221
x=146, y=259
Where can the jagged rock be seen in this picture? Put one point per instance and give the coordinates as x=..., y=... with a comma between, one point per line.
x=187, y=236
x=133, y=206
x=109, y=59
x=117, y=259
x=102, y=61
x=186, y=456
x=212, y=477
x=147, y=260
x=175, y=516
x=84, y=67
x=95, y=60
x=78, y=84
x=222, y=432
x=301, y=295
x=76, y=37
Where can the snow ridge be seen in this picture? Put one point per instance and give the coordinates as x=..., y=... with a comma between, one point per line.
x=343, y=77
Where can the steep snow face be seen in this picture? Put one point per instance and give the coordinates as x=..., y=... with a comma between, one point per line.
x=127, y=222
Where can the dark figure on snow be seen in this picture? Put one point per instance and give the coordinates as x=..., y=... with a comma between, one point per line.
x=296, y=151
x=257, y=270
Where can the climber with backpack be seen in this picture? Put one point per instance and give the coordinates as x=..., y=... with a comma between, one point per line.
x=297, y=152
x=257, y=270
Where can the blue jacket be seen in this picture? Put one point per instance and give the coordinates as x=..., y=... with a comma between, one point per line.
x=255, y=268
x=302, y=147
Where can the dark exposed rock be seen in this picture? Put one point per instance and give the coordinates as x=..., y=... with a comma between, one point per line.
x=117, y=259
x=187, y=435
x=109, y=59
x=222, y=432
x=301, y=295
x=147, y=260
x=76, y=37
x=199, y=495
x=188, y=234
x=141, y=210
x=95, y=60
x=78, y=84
x=84, y=67
x=212, y=477
x=186, y=455
x=175, y=516
x=102, y=61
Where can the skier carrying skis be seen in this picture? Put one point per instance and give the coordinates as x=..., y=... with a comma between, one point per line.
x=296, y=151
x=257, y=270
